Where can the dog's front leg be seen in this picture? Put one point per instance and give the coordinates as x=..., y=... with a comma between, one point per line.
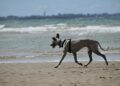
x=61, y=59
x=75, y=58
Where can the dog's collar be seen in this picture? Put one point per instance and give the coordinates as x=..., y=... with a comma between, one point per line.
x=61, y=43
x=69, y=42
x=64, y=42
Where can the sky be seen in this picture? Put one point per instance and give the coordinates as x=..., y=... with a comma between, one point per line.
x=38, y=7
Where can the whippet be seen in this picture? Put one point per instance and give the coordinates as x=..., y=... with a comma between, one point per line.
x=73, y=46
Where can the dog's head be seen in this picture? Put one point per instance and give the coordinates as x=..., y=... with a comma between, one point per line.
x=56, y=41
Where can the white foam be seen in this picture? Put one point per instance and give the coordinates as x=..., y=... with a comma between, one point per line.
x=55, y=27
x=100, y=29
x=64, y=28
x=2, y=26
x=95, y=29
x=27, y=29
x=103, y=29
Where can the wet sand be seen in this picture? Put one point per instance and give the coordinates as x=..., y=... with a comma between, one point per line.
x=68, y=74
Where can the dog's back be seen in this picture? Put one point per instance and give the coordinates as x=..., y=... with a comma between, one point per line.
x=76, y=45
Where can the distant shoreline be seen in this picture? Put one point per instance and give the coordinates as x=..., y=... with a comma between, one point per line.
x=62, y=16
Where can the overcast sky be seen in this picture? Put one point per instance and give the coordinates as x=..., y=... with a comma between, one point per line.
x=37, y=7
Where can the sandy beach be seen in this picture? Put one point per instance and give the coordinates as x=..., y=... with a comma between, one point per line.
x=68, y=74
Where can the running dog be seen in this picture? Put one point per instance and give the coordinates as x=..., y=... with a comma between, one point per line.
x=73, y=46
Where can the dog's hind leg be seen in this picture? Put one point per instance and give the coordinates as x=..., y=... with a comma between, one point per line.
x=61, y=59
x=75, y=58
x=102, y=55
x=90, y=56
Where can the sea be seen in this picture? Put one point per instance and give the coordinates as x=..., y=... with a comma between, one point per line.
x=28, y=40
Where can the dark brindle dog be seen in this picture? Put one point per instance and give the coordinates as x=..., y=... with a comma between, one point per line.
x=73, y=46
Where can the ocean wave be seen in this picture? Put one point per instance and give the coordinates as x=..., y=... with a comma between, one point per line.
x=56, y=27
x=63, y=27
x=22, y=30
x=95, y=29
x=2, y=26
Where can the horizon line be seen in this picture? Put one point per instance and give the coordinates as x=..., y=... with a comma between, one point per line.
x=61, y=14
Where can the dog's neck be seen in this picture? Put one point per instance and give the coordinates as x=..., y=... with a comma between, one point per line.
x=61, y=43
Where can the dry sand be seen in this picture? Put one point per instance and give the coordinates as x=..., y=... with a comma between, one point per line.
x=68, y=74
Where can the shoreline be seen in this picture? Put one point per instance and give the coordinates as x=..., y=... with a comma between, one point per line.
x=68, y=74
x=56, y=58
x=32, y=62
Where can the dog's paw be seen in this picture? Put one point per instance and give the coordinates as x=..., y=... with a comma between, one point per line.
x=107, y=63
x=85, y=66
x=81, y=64
x=56, y=67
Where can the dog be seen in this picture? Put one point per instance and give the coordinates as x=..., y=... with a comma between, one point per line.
x=73, y=46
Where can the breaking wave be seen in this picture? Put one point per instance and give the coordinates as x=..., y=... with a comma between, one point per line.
x=2, y=26
x=63, y=27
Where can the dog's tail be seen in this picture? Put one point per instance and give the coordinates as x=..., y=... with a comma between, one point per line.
x=102, y=48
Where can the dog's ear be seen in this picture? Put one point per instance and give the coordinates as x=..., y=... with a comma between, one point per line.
x=54, y=38
x=57, y=35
